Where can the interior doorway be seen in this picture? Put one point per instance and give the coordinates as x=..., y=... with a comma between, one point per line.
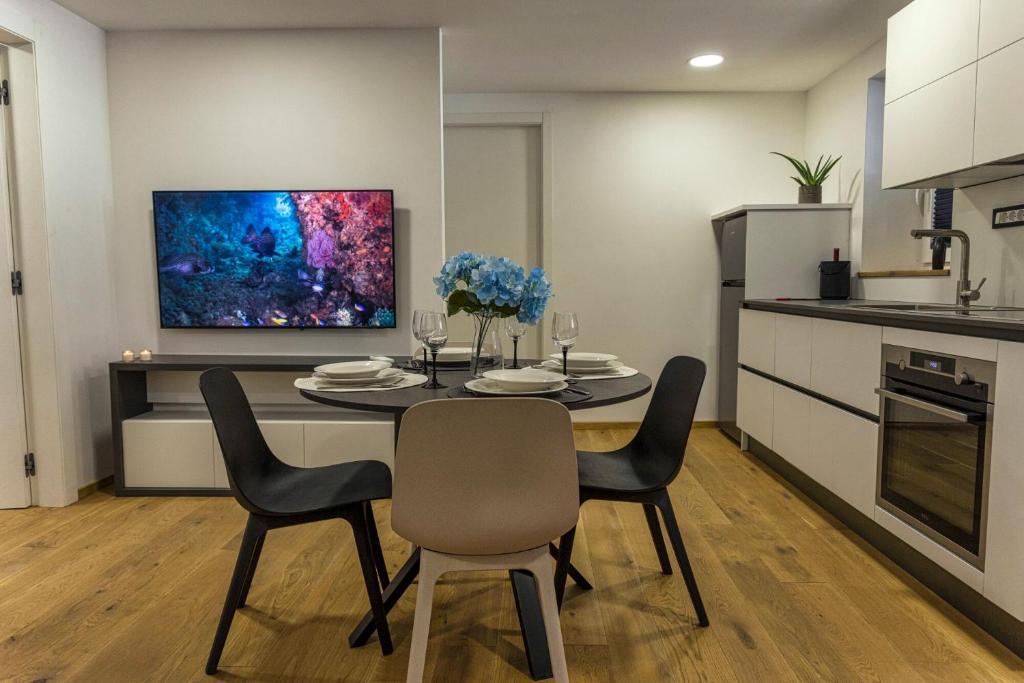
x=494, y=203
x=15, y=466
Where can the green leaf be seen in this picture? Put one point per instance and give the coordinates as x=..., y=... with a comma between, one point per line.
x=809, y=176
x=463, y=300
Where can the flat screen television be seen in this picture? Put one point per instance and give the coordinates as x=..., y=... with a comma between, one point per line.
x=275, y=259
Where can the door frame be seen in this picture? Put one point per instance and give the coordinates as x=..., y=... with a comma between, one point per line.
x=542, y=120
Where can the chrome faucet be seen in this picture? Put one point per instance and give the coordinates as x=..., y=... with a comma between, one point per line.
x=964, y=294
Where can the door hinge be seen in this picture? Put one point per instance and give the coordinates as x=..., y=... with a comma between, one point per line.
x=5, y=92
x=30, y=464
x=17, y=284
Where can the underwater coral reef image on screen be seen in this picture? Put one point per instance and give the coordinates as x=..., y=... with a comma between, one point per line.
x=295, y=259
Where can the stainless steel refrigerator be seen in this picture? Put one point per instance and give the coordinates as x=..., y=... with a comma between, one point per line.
x=733, y=251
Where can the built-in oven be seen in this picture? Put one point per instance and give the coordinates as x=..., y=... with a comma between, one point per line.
x=935, y=435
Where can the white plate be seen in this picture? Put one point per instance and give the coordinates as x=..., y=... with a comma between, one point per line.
x=492, y=388
x=612, y=366
x=582, y=359
x=453, y=354
x=385, y=376
x=525, y=380
x=352, y=368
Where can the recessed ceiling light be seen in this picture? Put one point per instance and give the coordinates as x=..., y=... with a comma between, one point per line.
x=704, y=61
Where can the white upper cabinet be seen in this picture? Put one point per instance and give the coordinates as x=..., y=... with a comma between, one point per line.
x=998, y=131
x=1002, y=23
x=930, y=132
x=930, y=39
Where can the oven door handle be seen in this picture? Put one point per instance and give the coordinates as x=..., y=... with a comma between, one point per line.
x=926, y=406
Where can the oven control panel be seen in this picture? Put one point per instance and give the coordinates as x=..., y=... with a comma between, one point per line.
x=958, y=374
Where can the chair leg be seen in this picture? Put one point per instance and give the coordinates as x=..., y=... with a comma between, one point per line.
x=375, y=549
x=563, y=563
x=255, y=529
x=665, y=505
x=574, y=573
x=251, y=572
x=651, y=513
x=429, y=572
x=360, y=531
x=541, y=569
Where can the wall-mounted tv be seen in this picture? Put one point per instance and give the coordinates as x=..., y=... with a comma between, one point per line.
x=275, y=259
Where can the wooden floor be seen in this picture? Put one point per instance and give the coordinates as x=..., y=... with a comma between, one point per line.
x=129, y=590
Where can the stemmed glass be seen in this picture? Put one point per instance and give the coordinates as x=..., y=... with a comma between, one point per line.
x=433, y=332
x=565, y=328
x=516, y=331
x=416, y=316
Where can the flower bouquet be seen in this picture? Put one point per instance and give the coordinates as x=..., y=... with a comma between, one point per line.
x=489, y=287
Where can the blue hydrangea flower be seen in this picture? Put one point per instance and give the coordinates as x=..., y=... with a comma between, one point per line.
x=496, y=282
x=458, y=267
x=536, y=292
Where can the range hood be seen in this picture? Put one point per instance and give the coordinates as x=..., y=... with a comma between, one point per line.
x=1010, y=167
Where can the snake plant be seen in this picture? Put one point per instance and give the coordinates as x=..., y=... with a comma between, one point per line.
x=808, y=176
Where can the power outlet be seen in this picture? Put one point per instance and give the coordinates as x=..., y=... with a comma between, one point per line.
x=1008, y=216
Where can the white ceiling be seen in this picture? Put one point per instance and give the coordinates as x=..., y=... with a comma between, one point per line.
x=554, y=45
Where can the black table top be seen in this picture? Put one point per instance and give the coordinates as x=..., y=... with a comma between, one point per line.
x=605, y=392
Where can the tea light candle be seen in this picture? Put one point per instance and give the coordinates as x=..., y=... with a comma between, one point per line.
x=145, y=355
x=128, y=356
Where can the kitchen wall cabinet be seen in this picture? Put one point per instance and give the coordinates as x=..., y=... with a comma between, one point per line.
x=1001, y=23
x=927, y=40
x=930, y=132
x=790, y=424
x=793, y=349
x=754, y=401
x=1004, y=554
x=846, y=362
x=998, y=133
x=757, y=340
x=844, y=454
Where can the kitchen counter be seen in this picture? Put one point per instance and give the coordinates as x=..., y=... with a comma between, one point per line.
x=1006, y=324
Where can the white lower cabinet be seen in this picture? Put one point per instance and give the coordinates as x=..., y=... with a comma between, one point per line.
x=844, y=456
x=168, y=450
x=754, y=406
x=846, y=362
x=790, y=415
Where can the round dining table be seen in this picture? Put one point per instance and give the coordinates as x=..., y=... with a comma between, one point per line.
x=603, y=392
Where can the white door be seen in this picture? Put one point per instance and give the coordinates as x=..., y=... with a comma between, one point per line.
x=15, y=490
x=493, y=204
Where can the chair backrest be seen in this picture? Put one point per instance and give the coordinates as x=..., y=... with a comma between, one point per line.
x=485, y=476
x=666, y=426
x=247, y=458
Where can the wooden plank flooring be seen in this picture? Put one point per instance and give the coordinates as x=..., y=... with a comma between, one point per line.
x=128, y=589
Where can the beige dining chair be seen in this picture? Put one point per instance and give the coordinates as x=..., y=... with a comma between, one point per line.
x=484, y=484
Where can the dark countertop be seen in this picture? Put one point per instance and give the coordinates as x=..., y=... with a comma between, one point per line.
x=1006, y=324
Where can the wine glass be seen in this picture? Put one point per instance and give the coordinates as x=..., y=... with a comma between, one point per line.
x=416, y=316
x=515, y=330
x=565, y=328
x=433, y=332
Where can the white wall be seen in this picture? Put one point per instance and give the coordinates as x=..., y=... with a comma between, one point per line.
x=635, y=179
x=70, y=65
x=330, y=109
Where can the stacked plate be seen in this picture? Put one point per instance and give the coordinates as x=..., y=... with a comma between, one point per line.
x=584, y=363
x=357, y=373
x=526, y=382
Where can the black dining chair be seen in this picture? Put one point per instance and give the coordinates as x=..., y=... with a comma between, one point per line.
x=641, y=471
x=278, y=495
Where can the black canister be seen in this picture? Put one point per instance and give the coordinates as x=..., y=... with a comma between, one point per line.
x=835, y=280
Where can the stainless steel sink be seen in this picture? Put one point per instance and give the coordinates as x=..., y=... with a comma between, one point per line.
x=938, y=308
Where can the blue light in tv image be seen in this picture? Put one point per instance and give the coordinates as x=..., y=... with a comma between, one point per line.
x=275, y=259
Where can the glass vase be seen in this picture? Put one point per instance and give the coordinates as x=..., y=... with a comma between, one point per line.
x=486, y=349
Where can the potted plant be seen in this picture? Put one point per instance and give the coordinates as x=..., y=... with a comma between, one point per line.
x=489, y=287
x=810, y=180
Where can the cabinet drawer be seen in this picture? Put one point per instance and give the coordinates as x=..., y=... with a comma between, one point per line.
x=793, y=349
x=754, y=406
x=927, y=40
x=790, y=416
x=1002, y=23
x=757, y=340
x=930, y=132
x=168, y=453
x=844, y=454
x=846, y=362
